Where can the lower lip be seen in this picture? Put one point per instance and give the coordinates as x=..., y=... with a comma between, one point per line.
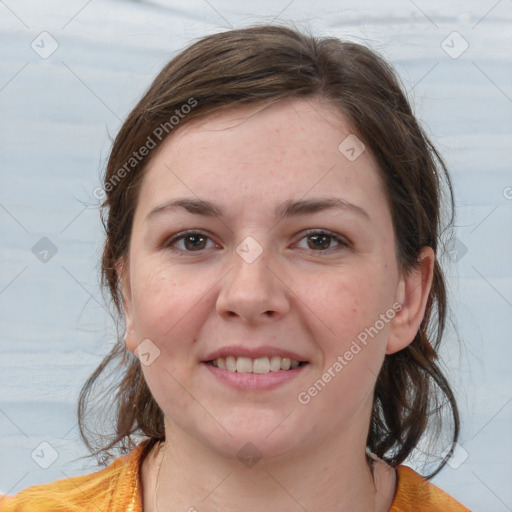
x=258, y=381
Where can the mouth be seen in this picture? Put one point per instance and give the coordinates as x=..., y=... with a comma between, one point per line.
x=260, y=365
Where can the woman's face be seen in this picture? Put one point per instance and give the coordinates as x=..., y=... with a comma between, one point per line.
x=279, y=247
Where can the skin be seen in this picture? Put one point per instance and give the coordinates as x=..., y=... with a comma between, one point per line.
x=315, y=302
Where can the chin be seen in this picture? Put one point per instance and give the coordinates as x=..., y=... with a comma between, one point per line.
x=255, y=439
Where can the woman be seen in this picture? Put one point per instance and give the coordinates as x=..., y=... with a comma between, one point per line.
x=274, y=211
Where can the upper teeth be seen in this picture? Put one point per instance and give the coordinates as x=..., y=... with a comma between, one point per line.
x=259, y=365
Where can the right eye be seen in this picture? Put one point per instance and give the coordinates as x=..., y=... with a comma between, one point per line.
x=191, y=241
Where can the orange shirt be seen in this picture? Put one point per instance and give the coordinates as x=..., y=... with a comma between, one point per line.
x=116, y=489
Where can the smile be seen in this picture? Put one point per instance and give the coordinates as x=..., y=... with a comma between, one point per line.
x=260, y=365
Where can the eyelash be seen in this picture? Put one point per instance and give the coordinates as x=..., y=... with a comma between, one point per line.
x=342, y=242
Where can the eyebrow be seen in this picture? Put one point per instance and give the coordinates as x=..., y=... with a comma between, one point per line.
x=290, y=208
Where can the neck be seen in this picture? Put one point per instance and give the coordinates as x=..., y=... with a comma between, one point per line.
x=193, y=478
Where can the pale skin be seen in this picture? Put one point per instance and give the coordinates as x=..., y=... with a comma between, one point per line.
x=203, y=295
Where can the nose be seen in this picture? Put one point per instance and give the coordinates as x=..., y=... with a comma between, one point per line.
x=253, y=292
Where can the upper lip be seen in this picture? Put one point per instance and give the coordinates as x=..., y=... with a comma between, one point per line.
x=253, y=353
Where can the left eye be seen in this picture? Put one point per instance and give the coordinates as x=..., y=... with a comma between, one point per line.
x=320, y=241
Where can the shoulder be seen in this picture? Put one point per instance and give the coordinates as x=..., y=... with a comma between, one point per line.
x=112, y=488
x=415, y=493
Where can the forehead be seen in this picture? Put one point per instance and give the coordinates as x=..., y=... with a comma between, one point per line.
x=261, y=154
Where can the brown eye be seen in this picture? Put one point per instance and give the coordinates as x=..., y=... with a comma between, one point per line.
x=189, y=242
x=194, y=242
x=319, y=241
x=324, y=242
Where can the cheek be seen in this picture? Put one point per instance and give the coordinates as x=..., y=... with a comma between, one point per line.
x=165, y=306
x=350, y=303
x=354, y=344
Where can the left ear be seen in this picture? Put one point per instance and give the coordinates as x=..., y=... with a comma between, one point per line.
x=412, y=293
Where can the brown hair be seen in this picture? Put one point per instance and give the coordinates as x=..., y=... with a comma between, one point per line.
x=264, y=64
